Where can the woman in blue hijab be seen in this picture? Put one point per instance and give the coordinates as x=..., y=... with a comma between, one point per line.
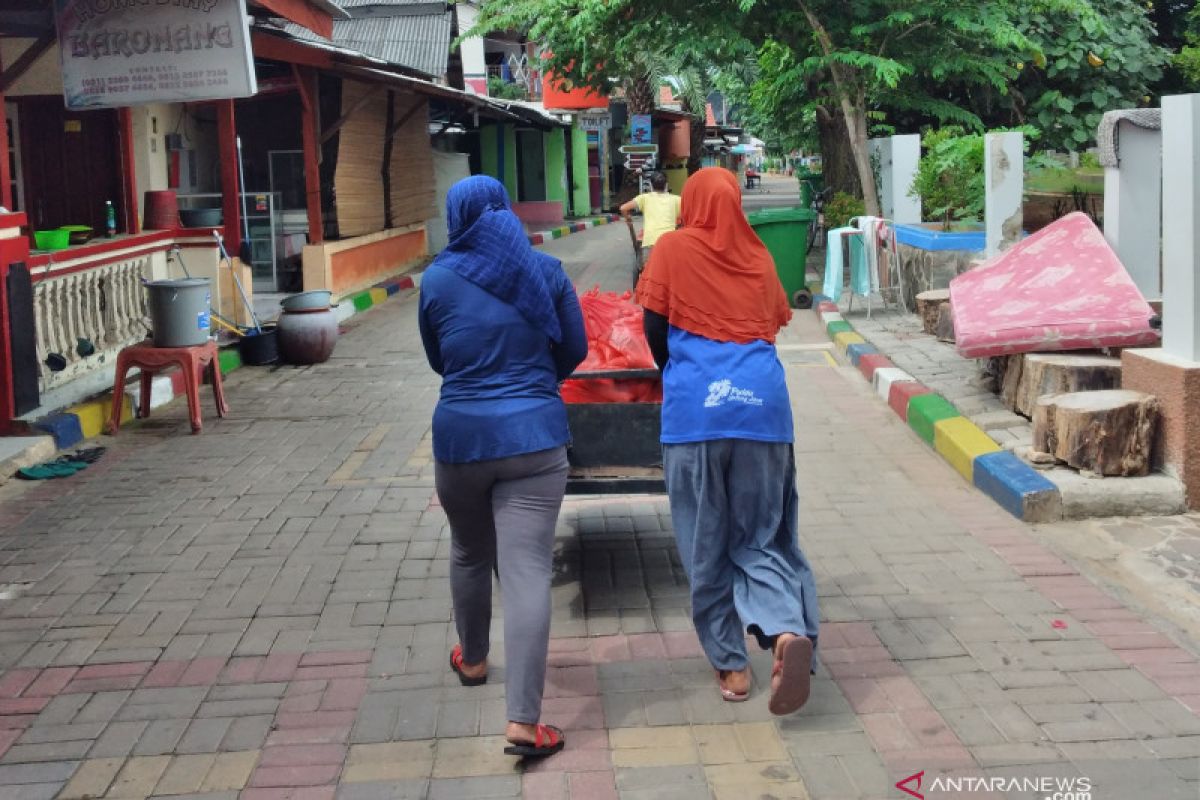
x=501, y=324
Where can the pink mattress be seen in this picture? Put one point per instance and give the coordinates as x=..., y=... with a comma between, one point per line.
x=1060, y=289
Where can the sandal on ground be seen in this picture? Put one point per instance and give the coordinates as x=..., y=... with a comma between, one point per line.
x=59, y=468
x=793, y=667
x=456, y=664
x=547, y=741
x=727, y=694
x=89, y=456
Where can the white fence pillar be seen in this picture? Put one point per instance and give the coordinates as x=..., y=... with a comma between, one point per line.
x=881, y=161
x=1004, y=189
x=906, y=152
x=897, y=157
x=1180, y=226
x=1133, y=206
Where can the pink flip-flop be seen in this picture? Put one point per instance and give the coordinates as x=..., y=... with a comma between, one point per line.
x=729, y=695
x=794, y=667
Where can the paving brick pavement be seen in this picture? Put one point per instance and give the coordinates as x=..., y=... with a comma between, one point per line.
x=262, y=612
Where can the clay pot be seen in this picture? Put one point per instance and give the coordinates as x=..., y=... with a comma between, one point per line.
x=308, y=336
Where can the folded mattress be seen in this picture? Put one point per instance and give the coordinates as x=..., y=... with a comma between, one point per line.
x=1062, y=288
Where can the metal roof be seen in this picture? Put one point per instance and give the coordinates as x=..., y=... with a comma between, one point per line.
x=421, y=43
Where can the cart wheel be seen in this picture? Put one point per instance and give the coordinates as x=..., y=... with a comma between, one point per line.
x=802, y=299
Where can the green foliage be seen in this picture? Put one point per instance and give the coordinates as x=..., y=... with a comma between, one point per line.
x=949, y=178
x=1187, y=60
x=841, y=209
x=504, y=90
x=1090, y=66
x=1089, y=161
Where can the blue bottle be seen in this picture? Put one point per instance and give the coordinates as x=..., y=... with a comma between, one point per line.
x=110, y=218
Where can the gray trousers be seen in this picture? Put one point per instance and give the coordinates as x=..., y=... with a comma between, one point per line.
x=503, y=512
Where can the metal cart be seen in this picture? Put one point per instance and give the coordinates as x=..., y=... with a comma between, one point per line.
x=615, y=447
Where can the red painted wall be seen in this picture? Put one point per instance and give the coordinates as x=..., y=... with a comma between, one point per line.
x=560, y=95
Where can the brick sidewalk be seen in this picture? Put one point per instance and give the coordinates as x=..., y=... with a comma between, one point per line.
x=262, y=612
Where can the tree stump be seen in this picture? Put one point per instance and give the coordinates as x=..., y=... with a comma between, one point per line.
x=944, y=329
x=1035, y=375
x=1108, y=432
x=928, y=306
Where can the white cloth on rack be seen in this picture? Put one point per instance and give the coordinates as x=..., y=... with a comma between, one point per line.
x=870, y=227
x=834, y=264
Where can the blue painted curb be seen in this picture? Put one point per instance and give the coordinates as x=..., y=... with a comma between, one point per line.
x=820, y=298
x=65, y=429
x=857, y=351
x=1017, y=487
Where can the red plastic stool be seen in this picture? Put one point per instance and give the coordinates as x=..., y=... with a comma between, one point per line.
x=192, y=362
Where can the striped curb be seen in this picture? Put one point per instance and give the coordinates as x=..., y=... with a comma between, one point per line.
x=86, y=420
x=1011, y=483
x=566, y=230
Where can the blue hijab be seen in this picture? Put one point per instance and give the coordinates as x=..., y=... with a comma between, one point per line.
x=488, y=246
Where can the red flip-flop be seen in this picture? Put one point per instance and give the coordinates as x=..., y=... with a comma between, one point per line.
x=547, y=740
x=456, y=663
x=794, y=668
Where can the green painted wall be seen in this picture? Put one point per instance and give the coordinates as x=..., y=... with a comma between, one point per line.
x=488, y=154
x=582, y=197
x=510, y=161
x=556, y=166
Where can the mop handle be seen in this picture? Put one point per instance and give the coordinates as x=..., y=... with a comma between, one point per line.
x=237, y=281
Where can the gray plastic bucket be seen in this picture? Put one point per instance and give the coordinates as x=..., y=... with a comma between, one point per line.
x=179, y=311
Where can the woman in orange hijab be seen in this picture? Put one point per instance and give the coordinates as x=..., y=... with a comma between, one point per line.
x=713, y=305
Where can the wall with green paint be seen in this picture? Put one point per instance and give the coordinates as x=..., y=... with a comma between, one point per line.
x=510, y=161
x=556, y=166
x=489, y=156
x=581, y=195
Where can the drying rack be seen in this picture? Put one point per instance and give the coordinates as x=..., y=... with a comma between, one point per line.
x=880, y=281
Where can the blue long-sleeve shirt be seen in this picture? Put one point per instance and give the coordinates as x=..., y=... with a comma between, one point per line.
x=500, y=374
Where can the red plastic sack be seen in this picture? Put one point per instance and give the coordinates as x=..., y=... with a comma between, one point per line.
x=615, y=341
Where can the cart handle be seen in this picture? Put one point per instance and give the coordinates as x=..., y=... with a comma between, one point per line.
x=623, y=374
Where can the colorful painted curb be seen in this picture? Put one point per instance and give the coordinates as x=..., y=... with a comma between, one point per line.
x=566, y=230
x=86, y=420
x=1010, y=482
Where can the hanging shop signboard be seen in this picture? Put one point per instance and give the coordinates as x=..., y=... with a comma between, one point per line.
x=128, y=52
x=591, y=121
x=639, y=125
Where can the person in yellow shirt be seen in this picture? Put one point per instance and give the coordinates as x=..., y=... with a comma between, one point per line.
x=660, y=209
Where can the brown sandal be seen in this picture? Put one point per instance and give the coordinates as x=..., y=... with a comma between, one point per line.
x=793, y=667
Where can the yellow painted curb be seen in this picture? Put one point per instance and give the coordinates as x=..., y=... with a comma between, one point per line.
x=847, y=338
x=960, y=442
x=93, y=415
x=377, y=295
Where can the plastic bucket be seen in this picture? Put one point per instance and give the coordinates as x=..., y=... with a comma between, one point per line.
x=258, y=349
x=179, y=311
x=162, y=210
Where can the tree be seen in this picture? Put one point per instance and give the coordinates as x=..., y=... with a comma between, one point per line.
x=1088, y=65
x=1187, y=61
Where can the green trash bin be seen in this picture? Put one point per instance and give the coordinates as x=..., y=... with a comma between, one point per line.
x=785, y=233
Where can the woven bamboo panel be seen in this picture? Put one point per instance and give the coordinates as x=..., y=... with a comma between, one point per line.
x=358, y=180
x=412, y=164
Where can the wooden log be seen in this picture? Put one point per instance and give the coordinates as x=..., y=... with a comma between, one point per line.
x=928, y=304
x=1011, y=381
x=1108, y=432
x=944, y=329
x=1055, y=373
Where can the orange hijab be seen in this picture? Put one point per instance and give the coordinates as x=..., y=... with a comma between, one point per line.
x=714, y=277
